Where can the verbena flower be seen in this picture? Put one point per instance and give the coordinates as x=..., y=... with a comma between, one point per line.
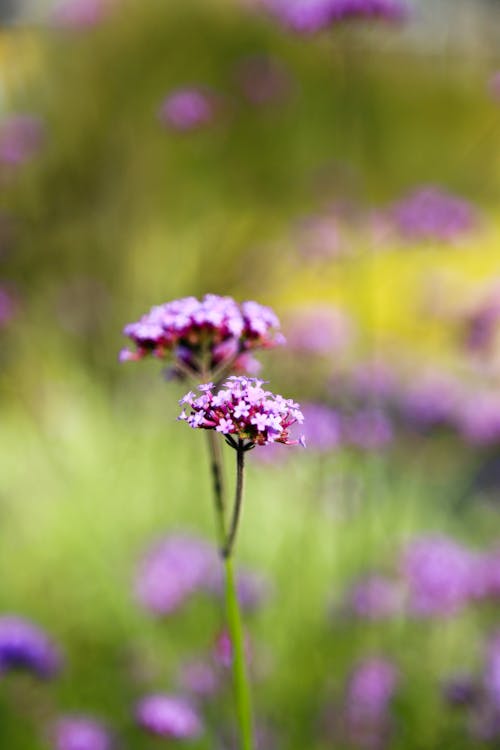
x=172, y=570
x=321, y=329
x=323, y=430
x=370, y=690
x=75, y=732
x=21, y=138
x=252, y=588
x=242, y=410
x=309, y=16
x=199, y=678
x=478, y=419
x=461, y=690
x=8, y=306
x=492, y=671
x=374, y=598
x=204, y=334
x=368, y=429
x=189, y=108
x=433, y=400
x=430, y=213
x=25, y=646
x=486, y=576
x=80, y=14
x=169, y=716
x=439, y=573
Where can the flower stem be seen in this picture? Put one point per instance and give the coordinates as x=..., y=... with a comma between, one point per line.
x=241, y=686
x=238, y=500
x=214, y=448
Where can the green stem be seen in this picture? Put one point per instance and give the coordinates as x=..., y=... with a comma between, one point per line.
x=214, y=448
x=241, y=686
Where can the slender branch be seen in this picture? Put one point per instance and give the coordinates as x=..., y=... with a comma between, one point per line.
x=214, y=448
x=241, y=686
x=238, y=500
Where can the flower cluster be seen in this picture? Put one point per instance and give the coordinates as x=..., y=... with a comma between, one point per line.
x=369, y=694
x=21, y=138
x=309, y=16
x=79, y=15
x=204, y=334
x=25, y=646
x=169, y=716
x=81, y=733
x=430, y=213
x=188, y=109
x=242, y=409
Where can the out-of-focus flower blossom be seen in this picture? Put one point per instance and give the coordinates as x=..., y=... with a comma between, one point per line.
x=323, y=428
x=375, y=598
x=80, y=14
x=494, y=86
x=75, y=732
x=486, y=576
x=169, y=716
x=461, y=690
x=373, y=380
x=321, y=238
x=190, y=108
x=478, y=419
x=206, y=334
x=172, y=570
x=242, y=409
x=320, y=330
x=25, y=646
x=481, y=325
x=223, y=650
x=263, y=80
x=430, y=214
x=21, y=138
x=309, y=16
x=431, y=400
x=199, y=678
x=252, y=588
x=369, y=694
x=368, y=429
x=8, y=306
x=439, y=573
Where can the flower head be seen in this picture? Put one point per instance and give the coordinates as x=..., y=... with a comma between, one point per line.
x=21, y=137
x=242, y=409
x=25, y=646
x=169, y=716
x=81, y=733
x=79, y=15
x=309, y=16
x=374, y=598
x=188, y=109
x=430, y=213
x=204, y=334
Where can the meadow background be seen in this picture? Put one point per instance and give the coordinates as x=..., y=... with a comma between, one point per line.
x=289, y=201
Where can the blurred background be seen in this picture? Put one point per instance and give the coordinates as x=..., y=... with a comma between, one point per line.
x=340, y=162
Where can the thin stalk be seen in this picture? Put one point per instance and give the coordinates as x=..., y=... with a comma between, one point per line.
x=241, y=686
x=216, y=469
x=238, y=500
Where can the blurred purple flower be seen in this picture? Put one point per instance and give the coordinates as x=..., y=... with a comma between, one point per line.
x=75, y=732
x=368, y=429
x=321, y=238
x=439, y=574
x=21, y=138
x=320, y=329
x=189, y=109
x=322, y=427
x=431, y=400
x=223, y=649
x=481, y=325
x=199, y=678
x=25, y=646
x=8, y=306
x=370, y=691
x=461, y=690
x=263, y=80
x=309, y=16
x=172, y=570
x=478, y=419
x=253, y=589
x=374, y=598
x=373, y=380
x=80, y=14
x=494, y=86
x=486, y=576
x=169, y=716
x=430, y=213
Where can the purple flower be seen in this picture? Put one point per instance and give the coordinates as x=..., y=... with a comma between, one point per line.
x=369, y=694
x=374, y=598
x=169, y=716
x=263, y=80
x=202, y=335
x=21, y=137
x=461, y=690
x=80, y=14
x=242, y=409
x=321, y=330
x=223, y=650
x=323, y=427
x=373, y=379
x=81, y=733
x=8, y=306
x=253, y=589
x=199, y=678
x=172, y=570
x=189, y=108
x=309, y=16
x=486, y=576
x=431, y=400
x=481, y=326
x=25, y=646
x=321, y=238
x=368, y=429
x=478, y=419
x=430, y=213
x=439, y=573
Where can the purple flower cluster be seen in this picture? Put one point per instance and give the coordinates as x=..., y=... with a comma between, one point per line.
x=321, y=330
x=25, y=646
x=375, y=598
x=172, y=571
x=368, y=429
x=369, y=694
x=21, y=138
x=206, y=334
x=80, y=14
x=81, y=733
x=242, y=409
x=8, y=306
x=432, y=214
x=478, y=419
x=188, y=109
x=439, y=574
x=309, y=16
x=432, y=400
x=169, y=716
x=323, y=427
x=263, y=80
